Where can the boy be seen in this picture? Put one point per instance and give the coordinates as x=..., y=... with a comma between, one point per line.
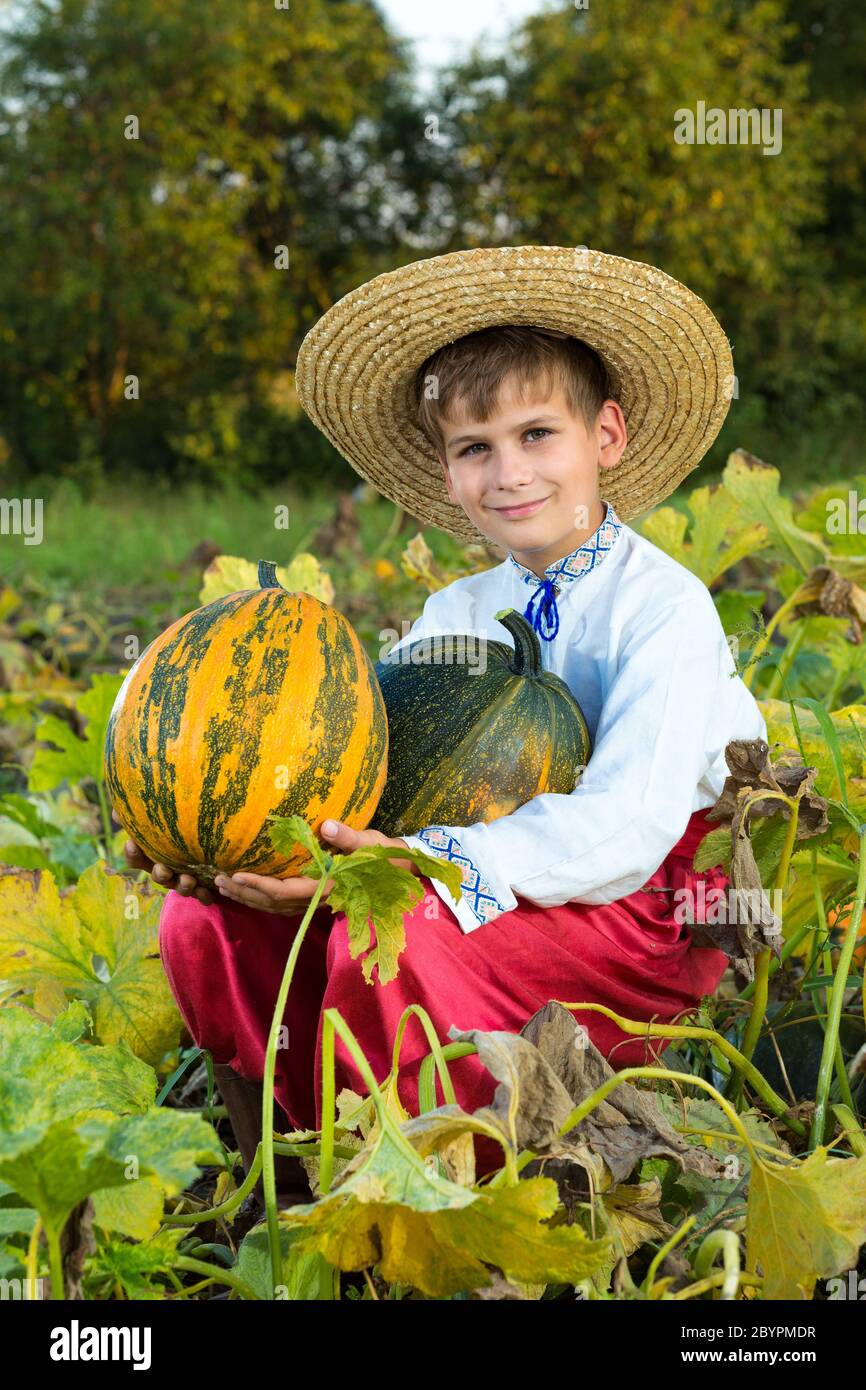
x=535, y=396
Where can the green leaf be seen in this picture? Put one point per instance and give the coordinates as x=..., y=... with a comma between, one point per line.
x=739, y=610
x=24, y=857
x=134, y=1267
x=715, y=848
x=75, y=759
x=288, y=831
x=305, y=1277
x=17, y=1221
x=755, y=486
x=27, y=814
x=368, y=887
x=767, y=836
x=827, y=512
x=75, y=1119
x=709, y=1195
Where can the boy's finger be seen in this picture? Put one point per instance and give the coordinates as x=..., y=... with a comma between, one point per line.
x=339, y=835
x=205, y=896
x=284, y=891
x=161, y=873
x=136, y=857
x=186, y=884
x=291, y=897
x=251, y=897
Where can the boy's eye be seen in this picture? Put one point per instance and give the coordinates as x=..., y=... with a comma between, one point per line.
x=467, y=452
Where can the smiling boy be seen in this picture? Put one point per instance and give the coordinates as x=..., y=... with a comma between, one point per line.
x=535, y=397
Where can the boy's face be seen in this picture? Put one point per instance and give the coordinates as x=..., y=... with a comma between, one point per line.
x=535, y=455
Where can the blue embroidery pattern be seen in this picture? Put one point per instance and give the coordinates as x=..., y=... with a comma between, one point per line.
x=475, y=889
x=581, y=561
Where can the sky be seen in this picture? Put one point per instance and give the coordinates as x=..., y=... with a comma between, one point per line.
x=443, y=29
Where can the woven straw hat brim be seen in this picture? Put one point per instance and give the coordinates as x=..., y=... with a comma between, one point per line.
x=669, y=363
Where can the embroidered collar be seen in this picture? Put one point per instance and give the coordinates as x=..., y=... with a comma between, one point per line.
x=541, y=609
x=585, y=557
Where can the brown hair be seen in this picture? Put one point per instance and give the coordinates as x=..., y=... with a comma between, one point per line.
x=473, y=367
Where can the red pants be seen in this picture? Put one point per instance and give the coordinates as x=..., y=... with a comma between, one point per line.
x=225, y=962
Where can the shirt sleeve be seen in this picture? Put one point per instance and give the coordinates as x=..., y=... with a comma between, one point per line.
x=655, y=741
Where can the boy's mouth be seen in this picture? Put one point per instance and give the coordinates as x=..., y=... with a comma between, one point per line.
x=525, y=509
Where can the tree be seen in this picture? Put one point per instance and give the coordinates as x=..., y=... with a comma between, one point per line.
x=186, y=187
x=568, y=139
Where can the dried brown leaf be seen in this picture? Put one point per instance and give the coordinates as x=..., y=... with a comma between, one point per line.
x=833, y=596
x=547, y=1070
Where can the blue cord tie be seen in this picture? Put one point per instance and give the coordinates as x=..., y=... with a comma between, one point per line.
x=547, y=613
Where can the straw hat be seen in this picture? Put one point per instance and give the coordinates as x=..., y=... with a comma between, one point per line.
x=668, y=361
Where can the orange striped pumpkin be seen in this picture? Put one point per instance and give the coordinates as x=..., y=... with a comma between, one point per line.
x=841, y=917
x=262, y=702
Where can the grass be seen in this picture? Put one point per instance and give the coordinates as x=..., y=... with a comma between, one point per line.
x=119, y=534
x=123, y=532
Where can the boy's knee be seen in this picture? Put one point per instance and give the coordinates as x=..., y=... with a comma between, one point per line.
x=186, y=928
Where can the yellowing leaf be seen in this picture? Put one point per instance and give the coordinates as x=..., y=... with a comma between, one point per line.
x=666, y=527
x=49, y=998
x=634, y=1214
x=755, y=486
x=99, y=942
x=390, y=1209
x=805, y=1221
x=229, y=574
x=134, y=1209
x=850, y=725
x=419, y=563
x=72, y=1116
x=717, y=539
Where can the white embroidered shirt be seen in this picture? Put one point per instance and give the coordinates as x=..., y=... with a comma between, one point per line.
x=637, y=639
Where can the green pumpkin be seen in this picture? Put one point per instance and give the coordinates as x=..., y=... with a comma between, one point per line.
x=468, y=744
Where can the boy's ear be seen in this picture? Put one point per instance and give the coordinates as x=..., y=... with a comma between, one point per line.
x=613, y=435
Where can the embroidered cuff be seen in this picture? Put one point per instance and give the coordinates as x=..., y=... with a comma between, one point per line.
x=478, y=902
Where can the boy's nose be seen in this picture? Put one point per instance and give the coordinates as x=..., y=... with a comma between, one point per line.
x=510, y=470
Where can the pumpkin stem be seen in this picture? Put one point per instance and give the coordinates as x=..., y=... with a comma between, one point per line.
x=268, y=575
x=527, y=648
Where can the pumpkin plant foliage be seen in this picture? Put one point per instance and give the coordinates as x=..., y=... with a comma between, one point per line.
x=74, y=759
x=229, y=574
x=76, y=1120
x=86, y=1017
x=98, y=942
x=367, y=886
x=392, y=1210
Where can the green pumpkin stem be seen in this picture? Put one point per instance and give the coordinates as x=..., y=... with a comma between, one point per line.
x=268, y=575
x=527, y=648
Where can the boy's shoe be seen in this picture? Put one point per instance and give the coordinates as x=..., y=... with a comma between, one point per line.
x=243, y=1100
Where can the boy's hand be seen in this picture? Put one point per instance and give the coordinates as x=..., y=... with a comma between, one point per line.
x=185, y=884
x=291, y=896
